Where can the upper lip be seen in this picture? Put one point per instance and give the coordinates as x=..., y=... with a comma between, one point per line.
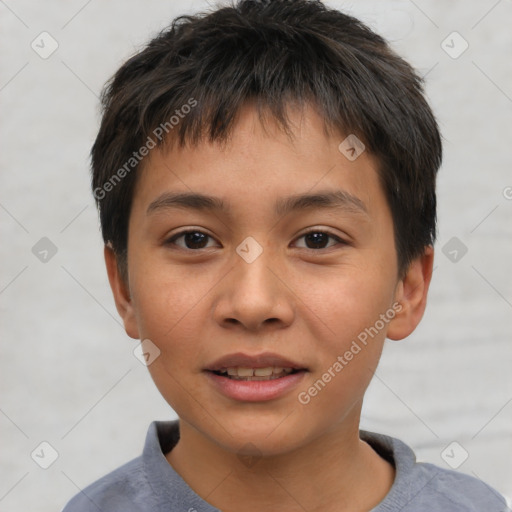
x=263, y=360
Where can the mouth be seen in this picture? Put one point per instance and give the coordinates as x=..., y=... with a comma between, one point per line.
x=255, y=374
x=255, y=378
x=263, y=366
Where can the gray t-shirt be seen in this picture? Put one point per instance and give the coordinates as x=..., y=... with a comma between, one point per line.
x=149, y=483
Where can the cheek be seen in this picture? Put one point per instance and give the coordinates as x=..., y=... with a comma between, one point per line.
x=171, y=315
x=345, y=320
x=345, y=302
x=169, y=311
x=346, y=359
x=165, y=294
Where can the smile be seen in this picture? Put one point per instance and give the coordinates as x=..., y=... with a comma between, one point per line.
x=255, y=374
x=254, y=377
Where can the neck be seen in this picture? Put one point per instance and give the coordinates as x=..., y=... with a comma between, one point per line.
x=335, y=472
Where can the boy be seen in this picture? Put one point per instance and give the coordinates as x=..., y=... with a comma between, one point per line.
x=265, y=176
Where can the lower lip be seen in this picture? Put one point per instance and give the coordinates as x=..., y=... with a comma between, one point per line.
x=255, y=390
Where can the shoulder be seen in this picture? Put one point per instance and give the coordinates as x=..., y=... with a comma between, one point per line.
x=456, y=491
x=423, y=487
x=122, y=490
x=147, y=483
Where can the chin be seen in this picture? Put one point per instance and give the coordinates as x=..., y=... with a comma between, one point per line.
x=264, y=435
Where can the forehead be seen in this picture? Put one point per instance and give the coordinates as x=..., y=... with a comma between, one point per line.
x=261, y=168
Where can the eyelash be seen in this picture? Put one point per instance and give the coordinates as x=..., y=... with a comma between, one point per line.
x=172, y=240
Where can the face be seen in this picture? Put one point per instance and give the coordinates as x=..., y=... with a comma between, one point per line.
x=298, y=263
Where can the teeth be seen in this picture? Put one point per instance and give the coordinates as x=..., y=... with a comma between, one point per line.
x=245, y=372
x=263, y=372
x=270, y=372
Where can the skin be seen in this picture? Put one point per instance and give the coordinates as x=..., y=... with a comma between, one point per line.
x=307, y=304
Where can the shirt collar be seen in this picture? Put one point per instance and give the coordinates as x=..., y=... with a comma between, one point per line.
x=170, y=489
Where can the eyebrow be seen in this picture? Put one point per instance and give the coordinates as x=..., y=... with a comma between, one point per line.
x=330, y=199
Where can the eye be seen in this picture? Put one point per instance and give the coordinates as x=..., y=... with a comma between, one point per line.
x=318, y=239
x=193, y=239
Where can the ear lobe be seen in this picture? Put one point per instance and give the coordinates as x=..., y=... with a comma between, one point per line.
x=121, y=292
x=411, y=293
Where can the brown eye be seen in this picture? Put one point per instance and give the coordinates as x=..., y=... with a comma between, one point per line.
x=192, y=240
x=316, y=239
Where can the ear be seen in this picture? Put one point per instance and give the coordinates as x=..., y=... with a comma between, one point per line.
x=411, y=293
x=121, y=292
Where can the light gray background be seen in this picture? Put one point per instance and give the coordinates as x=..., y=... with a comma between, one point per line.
x=68, y=373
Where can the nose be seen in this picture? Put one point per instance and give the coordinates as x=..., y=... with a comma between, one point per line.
x=255, y=296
